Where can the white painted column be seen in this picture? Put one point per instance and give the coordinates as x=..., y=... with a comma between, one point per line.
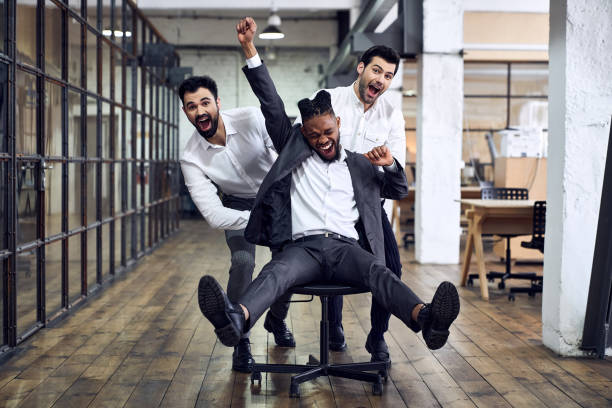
x=394, y=95
x=580, y=105
x=439, y=133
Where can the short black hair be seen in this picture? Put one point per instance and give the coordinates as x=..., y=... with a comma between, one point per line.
x=319, y=105
x=194, y=83
x=382, y=51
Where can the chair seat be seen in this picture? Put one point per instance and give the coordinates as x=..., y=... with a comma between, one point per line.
x=326, y=289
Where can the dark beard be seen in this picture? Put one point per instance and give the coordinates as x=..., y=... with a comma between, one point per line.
x=214, y=124
x=336, y=156
x=362, y=86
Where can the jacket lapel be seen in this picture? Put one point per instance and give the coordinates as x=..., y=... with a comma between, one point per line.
x=357, y=177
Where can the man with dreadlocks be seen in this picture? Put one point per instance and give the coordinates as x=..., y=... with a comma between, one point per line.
x=309, y=208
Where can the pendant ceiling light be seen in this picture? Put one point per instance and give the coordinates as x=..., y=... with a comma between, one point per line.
x=272, y=31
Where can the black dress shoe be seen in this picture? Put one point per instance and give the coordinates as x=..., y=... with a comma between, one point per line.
x=282, y=335
x=378, y=349
x=242, y=359
x=227, y=318
x=436, y=317
x=336, y=338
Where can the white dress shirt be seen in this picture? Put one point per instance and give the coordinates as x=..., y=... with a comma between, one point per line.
x=322, y=198
x=238, y=168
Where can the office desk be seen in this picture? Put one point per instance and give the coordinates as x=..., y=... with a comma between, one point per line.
x=405, y=207
x=513, y=217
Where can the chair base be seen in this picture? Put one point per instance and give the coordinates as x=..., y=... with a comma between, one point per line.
x=322, y=367
x=491, y=276
x=536, y=287
x=315, y=369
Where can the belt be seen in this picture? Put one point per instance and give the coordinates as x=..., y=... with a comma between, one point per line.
x=325, y=235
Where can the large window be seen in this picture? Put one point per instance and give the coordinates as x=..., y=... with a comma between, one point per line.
x=497, y=96
x=89, y=124
x=500, y=96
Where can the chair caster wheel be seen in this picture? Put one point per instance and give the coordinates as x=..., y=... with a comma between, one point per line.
x=312, y=360
x=377, y=389
x=294, y=391
x=501, y=285
x=255, y=376
x=511, y=297
x=470, y=282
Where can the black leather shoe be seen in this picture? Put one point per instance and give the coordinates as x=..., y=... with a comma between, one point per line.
x=227, y=318
x=378, y=349
x=282, y=335
x=242, y=359
x=436, y=317
x=336, y=338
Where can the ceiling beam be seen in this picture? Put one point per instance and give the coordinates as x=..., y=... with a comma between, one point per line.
x=371, y=15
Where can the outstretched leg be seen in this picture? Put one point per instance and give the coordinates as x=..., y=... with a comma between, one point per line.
x=294, y=265
x=351, y=264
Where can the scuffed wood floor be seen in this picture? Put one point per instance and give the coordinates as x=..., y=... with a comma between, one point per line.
x=143, y=343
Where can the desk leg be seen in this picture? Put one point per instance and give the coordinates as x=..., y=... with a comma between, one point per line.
x=482, y=272
x=467, y=258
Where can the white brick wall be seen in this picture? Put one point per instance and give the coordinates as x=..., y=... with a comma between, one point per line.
x=295, y=73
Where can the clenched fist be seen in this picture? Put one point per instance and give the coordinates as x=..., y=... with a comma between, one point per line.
x=246, y=29
x=380, y=156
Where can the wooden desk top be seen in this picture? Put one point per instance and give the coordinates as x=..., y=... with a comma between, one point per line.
x=497, y=203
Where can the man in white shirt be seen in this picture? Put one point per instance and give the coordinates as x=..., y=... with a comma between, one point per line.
x=230, y=151
x=368, y=120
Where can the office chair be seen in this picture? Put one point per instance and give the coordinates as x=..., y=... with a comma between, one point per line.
x=503, y=193
x=317, y=367
x=537, y=242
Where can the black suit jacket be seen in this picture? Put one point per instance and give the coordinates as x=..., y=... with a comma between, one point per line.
x=270, y=220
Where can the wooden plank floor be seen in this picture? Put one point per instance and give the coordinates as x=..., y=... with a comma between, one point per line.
x=144, y=343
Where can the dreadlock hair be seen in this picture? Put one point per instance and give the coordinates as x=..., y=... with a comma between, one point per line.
x=319, y=105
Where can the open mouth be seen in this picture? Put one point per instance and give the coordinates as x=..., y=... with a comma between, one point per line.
x=204, y=123
x=374, y=90
x=327, y=149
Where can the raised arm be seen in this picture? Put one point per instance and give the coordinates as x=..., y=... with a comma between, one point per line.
x=272, y=107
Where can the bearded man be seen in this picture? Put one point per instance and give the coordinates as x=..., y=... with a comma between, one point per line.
x=230, y=152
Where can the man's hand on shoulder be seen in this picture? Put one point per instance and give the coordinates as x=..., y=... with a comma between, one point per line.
x=246, y=29
x=380, y=156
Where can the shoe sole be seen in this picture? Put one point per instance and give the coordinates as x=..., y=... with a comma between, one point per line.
x=444, y=309
x=212, y=305
x=269, y=329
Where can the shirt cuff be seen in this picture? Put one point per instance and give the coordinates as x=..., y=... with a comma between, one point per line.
x=254, y=61
x=392, y=167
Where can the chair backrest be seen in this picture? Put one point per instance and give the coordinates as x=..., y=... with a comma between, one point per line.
x=504, y=193
x=539, y=224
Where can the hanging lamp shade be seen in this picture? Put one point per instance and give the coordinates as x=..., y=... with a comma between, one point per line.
x=272, y=31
